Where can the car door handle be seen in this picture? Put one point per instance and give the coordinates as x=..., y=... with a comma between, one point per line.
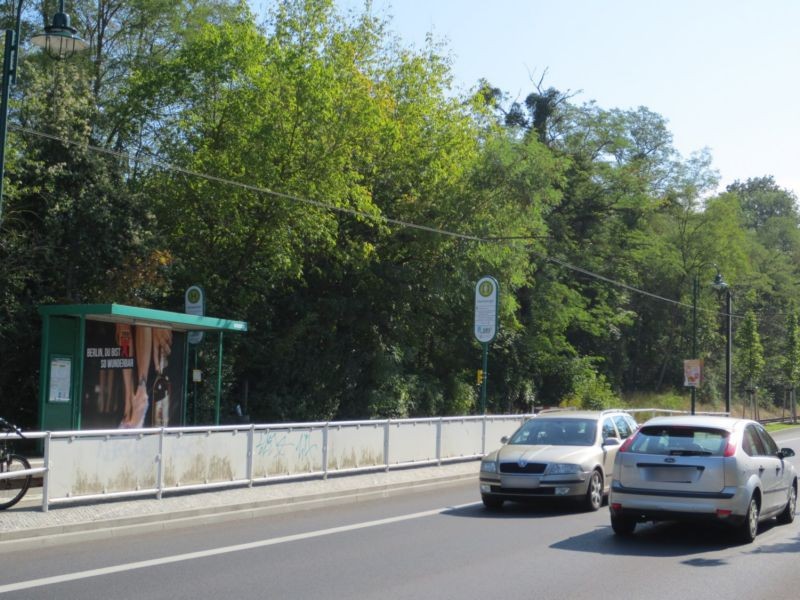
x=760, y=469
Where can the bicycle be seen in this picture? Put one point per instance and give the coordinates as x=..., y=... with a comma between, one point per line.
x=12, y=489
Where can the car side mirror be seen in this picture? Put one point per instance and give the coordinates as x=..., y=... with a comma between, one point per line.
x=612, y=441
x=785, y=453
x=504, y=439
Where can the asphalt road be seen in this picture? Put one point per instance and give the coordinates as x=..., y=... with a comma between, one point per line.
x=436, y=544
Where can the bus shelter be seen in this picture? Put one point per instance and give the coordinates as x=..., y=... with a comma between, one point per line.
x=107, y=366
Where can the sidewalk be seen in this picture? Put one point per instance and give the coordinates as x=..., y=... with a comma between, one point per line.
x=26, y=526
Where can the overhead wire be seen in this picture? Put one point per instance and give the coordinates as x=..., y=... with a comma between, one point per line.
x=250, y=187
x=157, y=162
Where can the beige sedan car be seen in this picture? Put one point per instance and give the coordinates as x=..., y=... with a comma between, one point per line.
x=556, y=454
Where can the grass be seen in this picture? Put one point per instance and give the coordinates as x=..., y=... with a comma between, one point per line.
x=779, y=426
x=682, y=401
x=669, y=401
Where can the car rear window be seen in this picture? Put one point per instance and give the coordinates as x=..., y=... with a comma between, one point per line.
x=556, y=432
x=683, y=441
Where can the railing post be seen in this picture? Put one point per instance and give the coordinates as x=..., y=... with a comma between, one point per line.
x=386, y=444
x=439, y=441
x=251, y=434
x=325, y=451
x=46, y=474
x=160, y=460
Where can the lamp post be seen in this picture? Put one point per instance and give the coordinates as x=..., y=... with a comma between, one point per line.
x=721, y=288
x=60, y=40
x=695, y=291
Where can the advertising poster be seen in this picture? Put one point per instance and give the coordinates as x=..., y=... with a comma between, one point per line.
x=132, y=376
x=692, y=372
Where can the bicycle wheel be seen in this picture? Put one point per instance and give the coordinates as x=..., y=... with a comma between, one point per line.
x=12, y=490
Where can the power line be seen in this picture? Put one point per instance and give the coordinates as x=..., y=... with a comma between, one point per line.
x=156, y=162
x=253, y=188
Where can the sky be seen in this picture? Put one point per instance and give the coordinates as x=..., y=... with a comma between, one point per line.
x=723, y=73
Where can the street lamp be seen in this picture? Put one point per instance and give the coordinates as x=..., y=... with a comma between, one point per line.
x=721, y=288
x=695, y=291
x=60, y=40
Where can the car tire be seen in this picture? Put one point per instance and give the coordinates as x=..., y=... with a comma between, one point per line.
x=748, y=529
x=622, y=526
x=491, y=502
x=594, y=495
x=787, y=514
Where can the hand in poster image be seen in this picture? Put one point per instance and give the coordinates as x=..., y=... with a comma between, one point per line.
x=136, y=343
x=162, y=347
x=148, y=346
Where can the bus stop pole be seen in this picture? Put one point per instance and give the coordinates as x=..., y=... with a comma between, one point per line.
x=219, y=381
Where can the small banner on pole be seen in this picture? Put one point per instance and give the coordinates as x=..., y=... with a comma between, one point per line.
x=486, y=301
x=692, y=372
x=195, y=302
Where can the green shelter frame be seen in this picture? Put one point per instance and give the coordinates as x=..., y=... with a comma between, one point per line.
x=63, y=352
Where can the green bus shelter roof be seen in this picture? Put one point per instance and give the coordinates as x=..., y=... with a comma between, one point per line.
x=119, y=313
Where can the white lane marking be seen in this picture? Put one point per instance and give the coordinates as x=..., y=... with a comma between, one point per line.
x=156, y=562
x=794, y=439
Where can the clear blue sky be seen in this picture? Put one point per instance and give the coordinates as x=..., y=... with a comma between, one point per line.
x=724, y=73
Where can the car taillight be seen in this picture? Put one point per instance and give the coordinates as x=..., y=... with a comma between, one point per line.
x=627, y=443
x=730, y=449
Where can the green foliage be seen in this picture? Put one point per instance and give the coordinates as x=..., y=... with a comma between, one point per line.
x=291, y=158
x=791, y=358
x=668, y=400
x=590, y=390
x=750, y=352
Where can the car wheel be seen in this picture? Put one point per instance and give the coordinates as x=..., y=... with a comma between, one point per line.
x=787, y=514
x=623, y=526
x=594, y=495
x=491, y=502
x=749, y=528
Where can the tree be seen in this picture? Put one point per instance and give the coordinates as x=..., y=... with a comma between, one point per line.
x=325, y=184
x=762, y=199
x=749, y=351
x=72, y=232
x=791, y=361
x=350, y=316
x=791, y=358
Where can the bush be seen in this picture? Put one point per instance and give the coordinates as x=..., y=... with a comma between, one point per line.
x=591, y=392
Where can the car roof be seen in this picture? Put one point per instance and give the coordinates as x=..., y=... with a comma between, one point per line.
x=567, y=413
x=712, y=421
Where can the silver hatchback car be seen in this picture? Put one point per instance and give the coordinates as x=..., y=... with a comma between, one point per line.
x=557, y=454
x=702, y=467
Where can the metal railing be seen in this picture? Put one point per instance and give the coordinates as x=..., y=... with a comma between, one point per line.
x=125, y=463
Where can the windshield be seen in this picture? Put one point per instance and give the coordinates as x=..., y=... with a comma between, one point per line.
x=556, y=432
x=680, y=441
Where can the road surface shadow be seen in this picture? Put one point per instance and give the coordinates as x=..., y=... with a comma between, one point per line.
x=671, y=539
x=665, y=539
x=519, y=510
x=792, y=545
